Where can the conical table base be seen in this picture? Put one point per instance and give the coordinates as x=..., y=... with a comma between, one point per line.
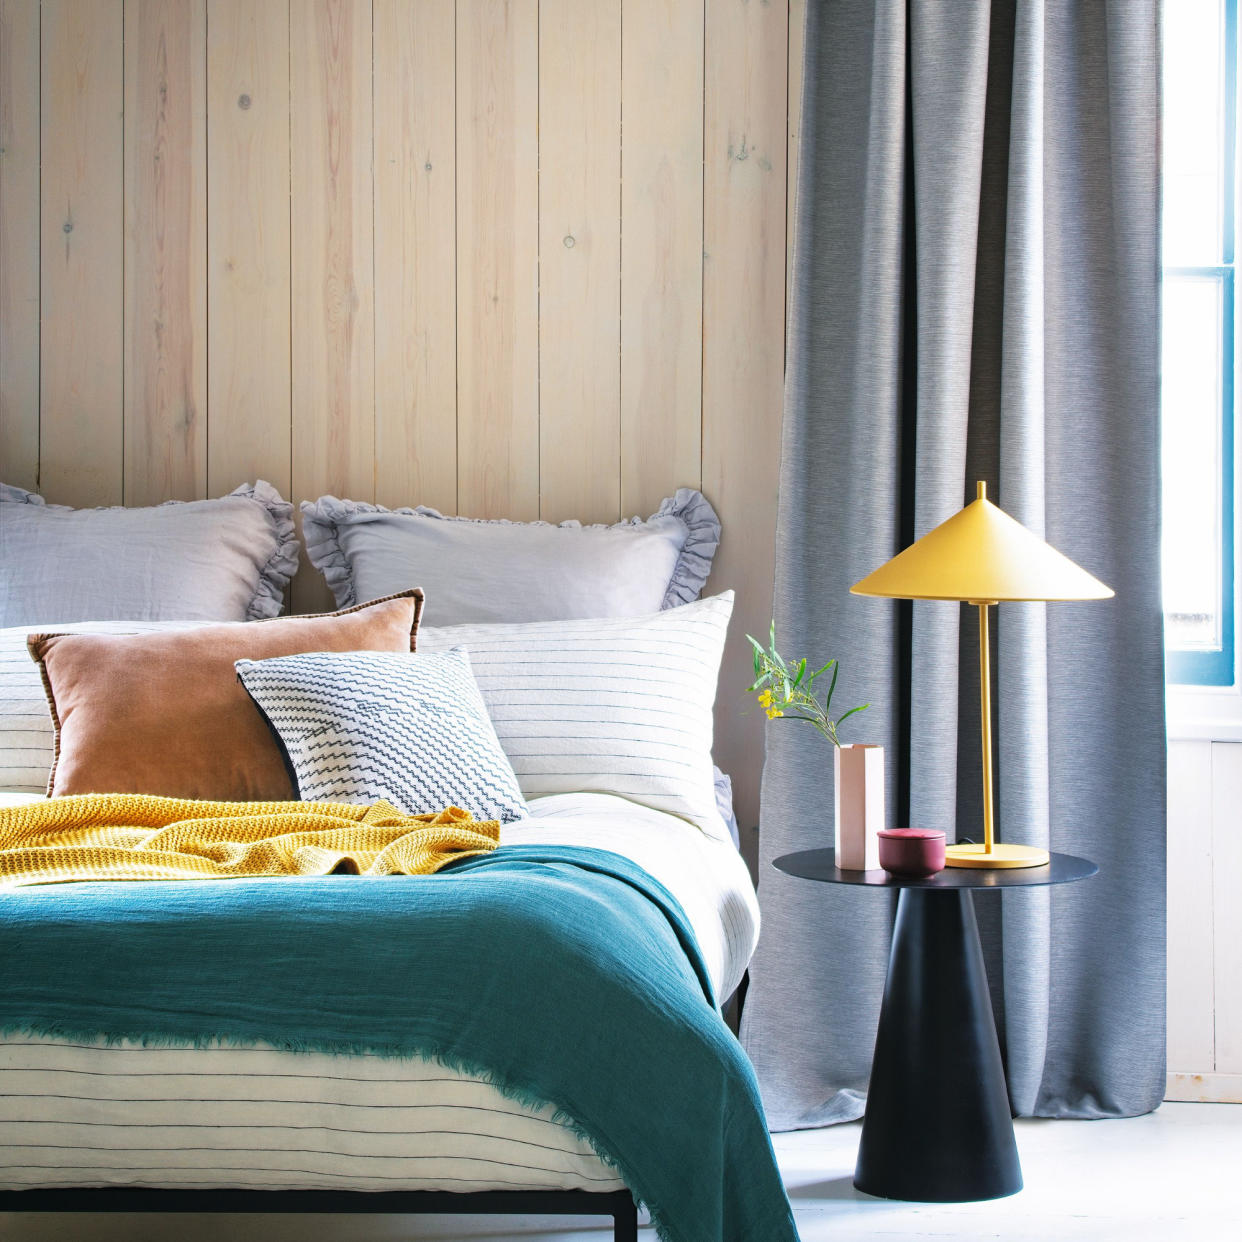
x=938, y=1128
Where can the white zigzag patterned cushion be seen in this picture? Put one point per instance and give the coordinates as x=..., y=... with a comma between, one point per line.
x=362, y=725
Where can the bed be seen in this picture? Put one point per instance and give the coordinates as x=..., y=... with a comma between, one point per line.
x=127, y=1115
x=198, y=1126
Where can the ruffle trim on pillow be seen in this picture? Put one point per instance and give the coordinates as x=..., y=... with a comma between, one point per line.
x=323, y=518
x=19, y=496
x=702, y=539
x=321, y=524
x=269, y=596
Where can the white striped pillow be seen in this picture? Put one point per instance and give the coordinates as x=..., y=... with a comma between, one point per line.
x=570, y=701
x=618, y=705
x=26, y=734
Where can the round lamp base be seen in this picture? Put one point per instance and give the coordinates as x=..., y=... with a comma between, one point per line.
x=999, y=855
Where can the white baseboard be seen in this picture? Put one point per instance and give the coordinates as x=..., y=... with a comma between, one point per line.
x=1204, y=1088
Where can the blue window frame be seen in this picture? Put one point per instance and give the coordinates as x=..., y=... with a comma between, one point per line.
x=1199, y=380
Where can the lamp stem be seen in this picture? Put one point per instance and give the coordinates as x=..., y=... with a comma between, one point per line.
x=985, y=705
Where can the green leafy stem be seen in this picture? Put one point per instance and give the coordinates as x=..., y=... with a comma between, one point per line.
x=788, y=692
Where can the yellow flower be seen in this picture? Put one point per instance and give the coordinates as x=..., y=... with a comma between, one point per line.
x=765, y=699
x=773, y=712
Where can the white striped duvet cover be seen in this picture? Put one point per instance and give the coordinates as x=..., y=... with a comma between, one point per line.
x=75, y=1114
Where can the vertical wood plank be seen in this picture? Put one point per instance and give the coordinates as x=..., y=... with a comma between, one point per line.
x=579, y=260
x=661, y=251
x=498, y=258
x=82, y=247
x=333, y=339
x=248, y=366
x=797, y=49
x=19, y=243
x=1190, y=1034
x=165, y=251
x=1226, y=908
x=745, y=142
x=415, y=254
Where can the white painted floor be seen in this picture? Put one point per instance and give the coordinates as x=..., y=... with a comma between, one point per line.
x=1175, y=1176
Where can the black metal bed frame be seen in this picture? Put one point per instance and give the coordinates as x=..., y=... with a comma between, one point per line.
x=618, y=1204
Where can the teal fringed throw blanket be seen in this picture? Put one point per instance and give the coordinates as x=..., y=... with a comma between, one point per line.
x=561, y=974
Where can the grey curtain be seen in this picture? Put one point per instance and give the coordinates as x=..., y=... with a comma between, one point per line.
x=975, y=296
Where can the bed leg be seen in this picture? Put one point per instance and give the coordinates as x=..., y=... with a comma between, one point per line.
x=625, y=1223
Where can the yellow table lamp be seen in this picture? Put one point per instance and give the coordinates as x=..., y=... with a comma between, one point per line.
x=981, y=556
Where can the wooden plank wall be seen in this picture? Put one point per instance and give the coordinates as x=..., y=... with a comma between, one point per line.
x=519, y=258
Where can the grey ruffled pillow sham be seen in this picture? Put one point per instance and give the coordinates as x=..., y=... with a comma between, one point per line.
x=227, y=559
x=476, y=571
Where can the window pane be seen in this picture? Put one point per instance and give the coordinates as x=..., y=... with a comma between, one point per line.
x=1191, y=452
x=1193, y=133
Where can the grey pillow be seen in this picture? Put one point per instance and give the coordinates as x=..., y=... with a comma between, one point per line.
x=477, y=571
x=199, y=560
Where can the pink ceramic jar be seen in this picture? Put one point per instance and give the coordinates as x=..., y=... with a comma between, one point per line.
x=912, y=852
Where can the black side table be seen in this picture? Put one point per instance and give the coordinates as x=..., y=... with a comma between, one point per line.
x=938, y=1127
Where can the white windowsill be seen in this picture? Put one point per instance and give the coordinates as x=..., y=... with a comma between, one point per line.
x=1204, y=713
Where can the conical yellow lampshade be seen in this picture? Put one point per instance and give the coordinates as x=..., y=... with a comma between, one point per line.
x=981, y=554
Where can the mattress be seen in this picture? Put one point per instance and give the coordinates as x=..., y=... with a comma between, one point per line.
x=93, y=1114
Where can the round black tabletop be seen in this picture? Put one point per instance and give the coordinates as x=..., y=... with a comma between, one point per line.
x=821, y=865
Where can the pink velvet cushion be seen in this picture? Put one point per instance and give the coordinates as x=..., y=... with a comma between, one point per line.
x=165, y=714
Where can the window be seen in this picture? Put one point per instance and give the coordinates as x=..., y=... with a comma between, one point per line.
x=1197, y=396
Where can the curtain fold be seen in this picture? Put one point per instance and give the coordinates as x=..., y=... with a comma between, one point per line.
x=975, y=295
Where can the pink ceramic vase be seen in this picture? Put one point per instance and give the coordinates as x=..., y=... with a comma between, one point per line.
x=913, y=852
x=859, y=798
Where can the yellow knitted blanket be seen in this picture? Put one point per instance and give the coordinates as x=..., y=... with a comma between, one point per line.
x=144, y=837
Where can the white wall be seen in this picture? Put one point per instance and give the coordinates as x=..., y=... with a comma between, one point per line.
x=1205, y=920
